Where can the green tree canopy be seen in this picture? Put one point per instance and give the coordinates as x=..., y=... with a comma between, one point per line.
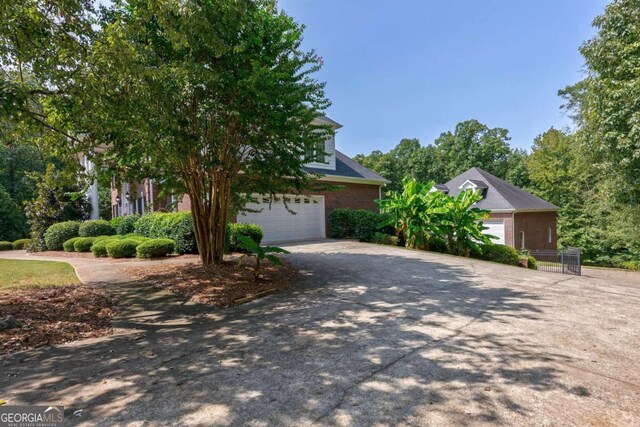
x=471, y=144
x=605, y=104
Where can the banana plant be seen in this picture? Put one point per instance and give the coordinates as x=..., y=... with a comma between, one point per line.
x=462, y=225
x=260, y=253
x=414, y=212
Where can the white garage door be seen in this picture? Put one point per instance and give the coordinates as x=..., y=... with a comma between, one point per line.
x=280, y=225
x=495, y=228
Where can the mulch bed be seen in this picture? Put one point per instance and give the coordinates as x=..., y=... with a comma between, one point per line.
x=54, y=315
x=222, y=286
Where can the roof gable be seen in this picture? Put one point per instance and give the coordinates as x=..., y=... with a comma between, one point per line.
x=348, y=168
x=499, y=194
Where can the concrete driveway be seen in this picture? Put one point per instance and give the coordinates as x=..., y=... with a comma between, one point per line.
x=373, y=335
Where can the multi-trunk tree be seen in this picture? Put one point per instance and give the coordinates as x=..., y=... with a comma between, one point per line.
x=215, y=99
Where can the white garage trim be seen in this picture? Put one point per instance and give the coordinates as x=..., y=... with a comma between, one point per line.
x=280, y=225
x=495, y=228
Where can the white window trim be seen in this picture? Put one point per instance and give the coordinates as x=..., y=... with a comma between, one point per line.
x=522, y=245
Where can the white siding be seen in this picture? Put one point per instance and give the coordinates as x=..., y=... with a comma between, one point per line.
x=330, y=157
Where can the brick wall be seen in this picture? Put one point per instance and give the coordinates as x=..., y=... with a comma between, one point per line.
x=535, y=226
x=353, y=196
x=507, y=219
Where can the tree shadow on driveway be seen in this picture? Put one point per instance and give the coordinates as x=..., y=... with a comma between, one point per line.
x=363, y=339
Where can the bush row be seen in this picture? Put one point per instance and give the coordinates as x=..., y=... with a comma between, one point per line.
x=177, y=227
x=121, y=246
x=359, y=224
x=16, y=245
x=497, y=253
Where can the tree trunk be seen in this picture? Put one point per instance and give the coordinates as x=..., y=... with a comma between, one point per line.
x=210, y=197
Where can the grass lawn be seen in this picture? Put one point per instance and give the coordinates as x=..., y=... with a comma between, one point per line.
x=23, y=274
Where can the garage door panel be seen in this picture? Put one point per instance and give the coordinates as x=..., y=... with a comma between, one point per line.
x=278, y=224
x=495, y=228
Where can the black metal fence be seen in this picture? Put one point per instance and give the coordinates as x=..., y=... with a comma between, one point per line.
x=565, y=261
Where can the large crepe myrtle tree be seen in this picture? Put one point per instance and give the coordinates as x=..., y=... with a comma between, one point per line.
x=215, y=99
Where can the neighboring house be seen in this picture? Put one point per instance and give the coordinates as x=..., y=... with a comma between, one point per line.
x=359, y=188
x=518, y=218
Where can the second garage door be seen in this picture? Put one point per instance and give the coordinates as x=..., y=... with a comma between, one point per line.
x=279, y=225
x=495, y=228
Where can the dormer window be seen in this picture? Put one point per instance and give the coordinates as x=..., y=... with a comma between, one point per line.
x=472, y=184
x=316, y=152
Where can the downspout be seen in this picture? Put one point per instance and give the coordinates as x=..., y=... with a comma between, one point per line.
x=513, y=229
x=151, y=195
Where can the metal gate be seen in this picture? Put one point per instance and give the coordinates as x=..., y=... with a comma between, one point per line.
x=565, y=261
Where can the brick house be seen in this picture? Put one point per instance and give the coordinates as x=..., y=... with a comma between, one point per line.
x=518, y=218
x=358, y=188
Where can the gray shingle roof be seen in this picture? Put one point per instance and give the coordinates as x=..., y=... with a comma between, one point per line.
x=349, y=168
x=499, y=195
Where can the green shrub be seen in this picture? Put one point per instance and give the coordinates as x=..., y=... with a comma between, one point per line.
x=21, y=244
x=498, y=253
x=532, y=263
x=124, y=224
x=437, y=245
x=6, y=246
x=68, y=244
x=155, y=248
x=630, y=265
x=100, y=238
x=140, y=239
x=252, y=231
x=59, y=233
x=83, y=244
x=125, y=248
x=385, y=239
x=99, y=247
x=359, y=224
x=177, y=226
x=95, y=228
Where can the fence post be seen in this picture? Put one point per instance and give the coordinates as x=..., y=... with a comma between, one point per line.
x=562, y=259
x=579, y=263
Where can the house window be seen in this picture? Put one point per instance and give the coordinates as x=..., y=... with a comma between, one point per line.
x=550, y=235
x=522, y=240
x=315, y=153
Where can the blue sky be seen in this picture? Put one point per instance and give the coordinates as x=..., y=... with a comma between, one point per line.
x=415, y=68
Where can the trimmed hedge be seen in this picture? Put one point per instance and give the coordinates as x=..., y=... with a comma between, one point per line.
x=6, y=246
x=68, y=245
x=83, y=244
x=59, y=233
x=21, y=244
x=155, y=248
x=252, y=231
x=498, y=253
x=100, y=238
x=95, y=228
x=99, y=248
x=359, y=224
x=177, y=226
x=125, y=248
x=124, y=224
